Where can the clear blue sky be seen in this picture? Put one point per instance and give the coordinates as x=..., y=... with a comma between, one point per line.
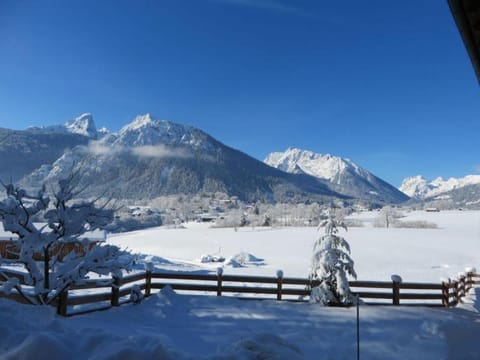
x=385, y=83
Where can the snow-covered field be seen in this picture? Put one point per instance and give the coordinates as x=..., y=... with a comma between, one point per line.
x=415, y=254
x=173, y=326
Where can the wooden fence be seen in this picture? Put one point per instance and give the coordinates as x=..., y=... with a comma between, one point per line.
x=117, y=292
x=93, y=295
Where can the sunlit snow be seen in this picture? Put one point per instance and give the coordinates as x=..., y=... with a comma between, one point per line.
x=174, y=326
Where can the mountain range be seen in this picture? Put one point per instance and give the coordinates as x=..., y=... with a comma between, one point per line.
x=23, y=151
x=450, y=193
x=343, y=174
x=418, y=187
x=151, y=157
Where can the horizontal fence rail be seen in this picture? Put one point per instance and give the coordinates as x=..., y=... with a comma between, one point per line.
x=103, y=293
x=446, y=294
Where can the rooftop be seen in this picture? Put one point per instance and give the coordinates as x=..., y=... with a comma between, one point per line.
x=467, y=17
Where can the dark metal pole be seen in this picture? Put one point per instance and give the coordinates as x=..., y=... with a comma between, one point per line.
x=358, y=328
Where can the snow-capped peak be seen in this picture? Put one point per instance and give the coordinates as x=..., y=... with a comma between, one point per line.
x=145, y=130
x=344, y=175
x=415, y=186
x=295, y=160
x=82, y=125
x=420, y=188
x=139, y=122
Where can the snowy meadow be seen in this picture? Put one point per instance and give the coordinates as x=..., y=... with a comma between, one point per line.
x=169, y=325
x=415, y=254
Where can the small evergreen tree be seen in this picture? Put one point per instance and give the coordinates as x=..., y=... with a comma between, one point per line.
x=266, y=220
x=331, y=263
x=243, y=220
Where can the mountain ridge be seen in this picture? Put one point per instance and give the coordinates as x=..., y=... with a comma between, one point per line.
x=345, y=176
x=420, y=188
x=149, y=157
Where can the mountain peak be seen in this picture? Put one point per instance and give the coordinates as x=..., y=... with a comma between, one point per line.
x=141, y=121
x=82, y=125
x=420, y=188
x=145, y=130
x=147, y=121
x=321, y=166
x=415, y=186
x=346, y=176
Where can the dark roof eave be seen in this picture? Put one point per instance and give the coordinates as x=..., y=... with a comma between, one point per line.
x=465, y=28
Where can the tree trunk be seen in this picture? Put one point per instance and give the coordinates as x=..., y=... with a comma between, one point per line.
x=46, y=272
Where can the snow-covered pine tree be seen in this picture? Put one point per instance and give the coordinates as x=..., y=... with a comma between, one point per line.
x=331, y=263
x=42, y=225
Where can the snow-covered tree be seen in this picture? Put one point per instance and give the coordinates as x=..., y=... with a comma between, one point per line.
x=387, y=217
x=49, y=229
x=331, y=263
x=267, y=221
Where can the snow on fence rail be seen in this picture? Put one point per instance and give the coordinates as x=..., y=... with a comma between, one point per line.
x=94, y=295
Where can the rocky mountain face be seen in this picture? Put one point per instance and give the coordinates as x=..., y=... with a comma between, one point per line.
x=82, y=125
x=419, y=188
x=451, y=193
x=343, y=175
x=150, y=157
x=22, y=152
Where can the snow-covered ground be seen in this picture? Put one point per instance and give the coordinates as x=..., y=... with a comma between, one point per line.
x=415, y=254
x=170, y=326
x=173, y=326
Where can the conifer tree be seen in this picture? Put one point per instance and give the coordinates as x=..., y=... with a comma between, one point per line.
x=331, y=263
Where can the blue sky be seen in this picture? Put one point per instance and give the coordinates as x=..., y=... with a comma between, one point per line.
x=385, y=83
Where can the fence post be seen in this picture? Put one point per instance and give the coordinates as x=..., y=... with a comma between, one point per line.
x=455, y=292
x=148, y=279
x=279, y=284
x=396, y=279
x=470, y=271
x=115, y=301
x=445, y=290
x=462, y=282
x=219, y=281
x=450, y=294
x=62, y=303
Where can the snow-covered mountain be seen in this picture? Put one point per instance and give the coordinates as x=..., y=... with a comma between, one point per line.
x=345, y=176
x=419, y=188
x=23, y=151
x=82, y=125
x=326, y=167
x=151, y=157
x=146, y=132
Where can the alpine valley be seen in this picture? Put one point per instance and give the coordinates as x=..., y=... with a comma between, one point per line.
x=149, y=158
